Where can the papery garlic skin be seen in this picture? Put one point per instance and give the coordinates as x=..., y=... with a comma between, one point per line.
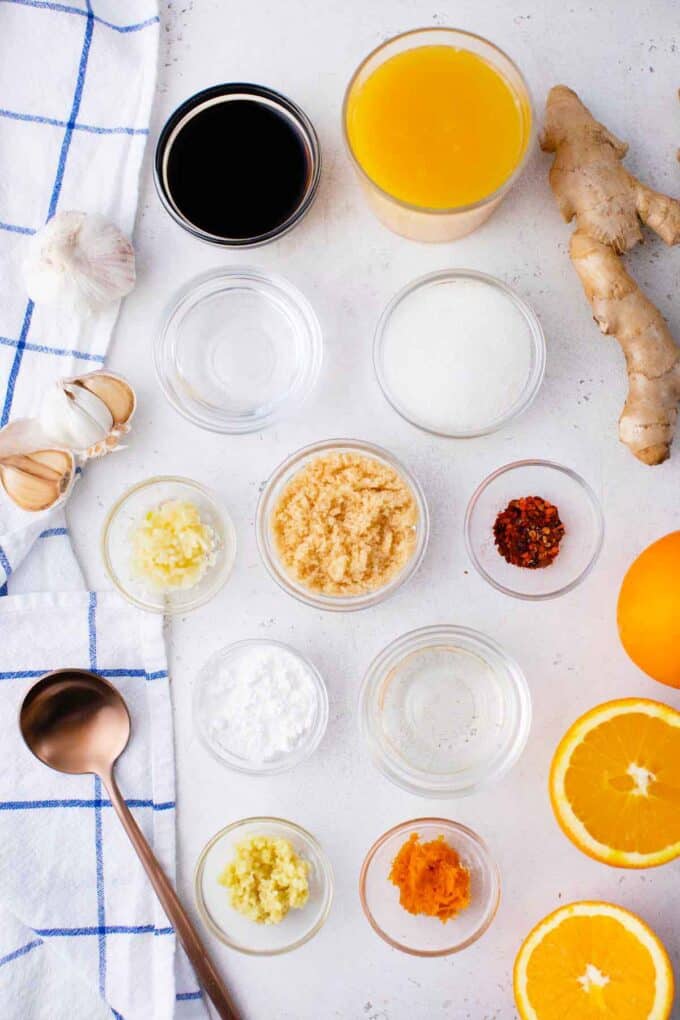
x=80, y=262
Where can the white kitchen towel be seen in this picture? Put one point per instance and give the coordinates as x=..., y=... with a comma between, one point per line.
x=79, y=926
x=67, y=871
x=76, y=87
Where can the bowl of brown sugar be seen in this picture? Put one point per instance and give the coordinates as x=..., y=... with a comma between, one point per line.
x=342, y=524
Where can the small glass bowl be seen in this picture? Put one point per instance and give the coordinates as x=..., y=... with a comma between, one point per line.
x=127, y=512
x=269, y=500
x=239, y=932
x=579, y=511
x=239, y=348
x=417, y=934
x=403, y=712
x=536, y=340
x=283, y=763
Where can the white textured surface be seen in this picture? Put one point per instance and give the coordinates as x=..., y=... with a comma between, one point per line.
x=622, y=57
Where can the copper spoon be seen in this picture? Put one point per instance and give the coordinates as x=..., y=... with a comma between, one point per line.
x=77, y=722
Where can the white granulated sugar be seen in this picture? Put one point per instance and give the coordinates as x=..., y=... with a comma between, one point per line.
x=457, y=355
x=260, y=703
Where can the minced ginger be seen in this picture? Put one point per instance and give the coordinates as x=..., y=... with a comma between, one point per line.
x=430, y=878
x=265, y=879
x=172, y=547
x=345, y=524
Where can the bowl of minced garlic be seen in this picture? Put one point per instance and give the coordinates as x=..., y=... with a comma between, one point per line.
x=342, y=524
x=429, y=887
x=168, y=544
x=263, y=885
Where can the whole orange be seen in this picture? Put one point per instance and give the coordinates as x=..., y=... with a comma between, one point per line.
x=648, y=611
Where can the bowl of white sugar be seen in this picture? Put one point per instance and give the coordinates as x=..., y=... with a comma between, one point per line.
x=459, y=353
x=260, y=707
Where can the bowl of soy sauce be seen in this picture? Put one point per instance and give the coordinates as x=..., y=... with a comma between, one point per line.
x=237, y=165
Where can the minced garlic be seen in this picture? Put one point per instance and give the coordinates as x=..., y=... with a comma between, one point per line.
x=265, y=879
x=171, y=546
x=345, y=524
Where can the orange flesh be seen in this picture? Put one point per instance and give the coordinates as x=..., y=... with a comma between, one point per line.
x=437, y=127
x=564, y=956
x=607, y=798
x=430, y=878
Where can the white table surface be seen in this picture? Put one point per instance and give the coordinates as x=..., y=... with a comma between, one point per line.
x=622, y=59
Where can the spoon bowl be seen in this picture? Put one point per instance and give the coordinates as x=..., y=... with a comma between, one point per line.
x=75, y=721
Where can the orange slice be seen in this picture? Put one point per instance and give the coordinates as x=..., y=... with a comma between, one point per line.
x=593, y=961
x=615, y=783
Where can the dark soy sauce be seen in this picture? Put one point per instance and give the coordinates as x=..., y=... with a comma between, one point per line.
x=238, y=169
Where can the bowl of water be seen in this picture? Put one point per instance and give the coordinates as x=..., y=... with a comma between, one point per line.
x=444, y=711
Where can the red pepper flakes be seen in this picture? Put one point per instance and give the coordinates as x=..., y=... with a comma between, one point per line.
x=528, y=532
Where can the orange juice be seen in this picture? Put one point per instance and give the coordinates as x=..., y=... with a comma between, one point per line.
x=437, y=127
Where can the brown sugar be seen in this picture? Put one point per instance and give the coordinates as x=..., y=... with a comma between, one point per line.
x=345, y=524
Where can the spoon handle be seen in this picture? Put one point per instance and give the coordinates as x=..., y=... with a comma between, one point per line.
x=198, y=955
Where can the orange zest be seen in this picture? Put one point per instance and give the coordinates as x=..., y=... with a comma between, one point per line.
x=431, y=878
x=615, y=783
x=593, y=961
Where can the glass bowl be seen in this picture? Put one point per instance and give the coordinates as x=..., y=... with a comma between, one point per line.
x=579, y=511
x=444, y=711
x=417, y=934
x=238, y=349
x=535, y=340
x=126, y=513
x=204, y=690
x=241, y=92
x=416, y=222
x=269, y=500
x=239, y=932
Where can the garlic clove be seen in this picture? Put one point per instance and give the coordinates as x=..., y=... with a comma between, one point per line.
x=79, y=261
x=74, y=417
x=115, y=392
x=38, y=480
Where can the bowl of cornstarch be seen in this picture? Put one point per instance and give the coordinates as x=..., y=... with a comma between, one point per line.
x=260, y=707
x=459, y=353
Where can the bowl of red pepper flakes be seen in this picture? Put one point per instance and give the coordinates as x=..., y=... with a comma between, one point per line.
x=534, y=529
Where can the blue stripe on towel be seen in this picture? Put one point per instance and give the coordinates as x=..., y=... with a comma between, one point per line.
x=20, y=952
x=82, y=802
x=67, y=9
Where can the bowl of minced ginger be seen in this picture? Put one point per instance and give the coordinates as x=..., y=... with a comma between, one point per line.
x=429, y=887
x=263, y=885
x=342, y=524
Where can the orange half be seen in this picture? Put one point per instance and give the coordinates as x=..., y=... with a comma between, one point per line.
x=615, y=783
x=593, y=961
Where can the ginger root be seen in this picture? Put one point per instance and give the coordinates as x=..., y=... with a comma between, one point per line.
x=592, y=186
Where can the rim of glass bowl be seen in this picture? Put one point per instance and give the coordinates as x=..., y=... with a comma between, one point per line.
x=326, y=870
x=205, y=285
x=414, y=780
x=267, y=503
x=462, y=35
x=229, y=536
x=538, y=347
x=597, y=513
x=290, y=761
x=207, y=97
x=491, y=868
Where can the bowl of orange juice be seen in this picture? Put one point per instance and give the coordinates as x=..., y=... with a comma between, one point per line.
x=438, y=124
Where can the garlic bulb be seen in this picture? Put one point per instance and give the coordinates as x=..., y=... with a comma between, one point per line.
x=37, y=480
x=79, y=261
x=89, y=413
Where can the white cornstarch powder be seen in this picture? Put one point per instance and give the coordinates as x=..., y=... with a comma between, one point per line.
x=457, y=354
x=258, y=701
